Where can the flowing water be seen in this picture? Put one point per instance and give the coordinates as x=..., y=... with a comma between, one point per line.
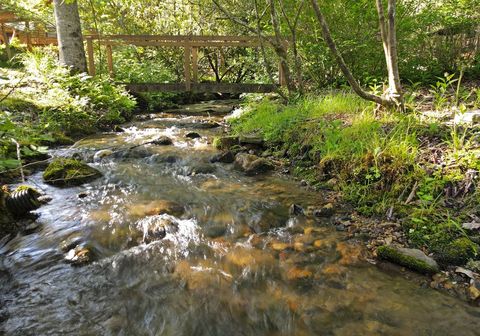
x=235, y=262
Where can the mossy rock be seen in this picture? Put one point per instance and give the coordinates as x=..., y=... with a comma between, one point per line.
x=412, y=259
x=225, y=142
x=458, y=252
x=26, y=187
x=69, y=172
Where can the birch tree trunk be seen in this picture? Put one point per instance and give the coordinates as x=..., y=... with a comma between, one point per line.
x=389, y=39
x=69, y=34
x=393, y=97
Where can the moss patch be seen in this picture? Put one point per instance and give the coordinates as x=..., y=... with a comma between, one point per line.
x=391, y=254
x=225, y=142
x=458, y=252
x=69, y=172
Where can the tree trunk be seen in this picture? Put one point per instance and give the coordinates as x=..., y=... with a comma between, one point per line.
x=280, y=49
x=389, y=39
x=327, y=36
x=69, y=33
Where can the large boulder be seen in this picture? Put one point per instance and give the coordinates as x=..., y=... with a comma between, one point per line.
x=69, y=172
x=252, y=164
x=413, y=259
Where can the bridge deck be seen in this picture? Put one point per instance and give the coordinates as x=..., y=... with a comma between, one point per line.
x=203, y=87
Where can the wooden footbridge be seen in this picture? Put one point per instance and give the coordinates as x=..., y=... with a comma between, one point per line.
x=14, y=26
x=190, y=46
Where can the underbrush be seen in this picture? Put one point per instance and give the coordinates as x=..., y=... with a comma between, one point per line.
x=416, y=169
x=42, y=104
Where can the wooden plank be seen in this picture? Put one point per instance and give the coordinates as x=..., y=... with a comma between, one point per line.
x=203, y=87
x=29, y=37
x=91, y=59
x=176, y=38
x=187, y=67
x=110, y=60
x=177, y=44
x=195, y=64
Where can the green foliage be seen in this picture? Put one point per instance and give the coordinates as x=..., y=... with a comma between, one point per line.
x=49, y=102
x=75, y=103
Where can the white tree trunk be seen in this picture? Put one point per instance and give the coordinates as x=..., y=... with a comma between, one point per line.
x=69, y=33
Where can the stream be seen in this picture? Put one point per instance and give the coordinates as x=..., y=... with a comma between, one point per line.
x=233, y=261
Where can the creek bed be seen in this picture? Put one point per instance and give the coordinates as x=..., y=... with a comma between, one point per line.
x=237, y=263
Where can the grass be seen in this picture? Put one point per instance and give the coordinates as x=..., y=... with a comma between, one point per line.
x=376, y=160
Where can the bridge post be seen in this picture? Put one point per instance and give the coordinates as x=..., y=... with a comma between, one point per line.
x=110, y=60
x=187, y=67
x=7, y=42
x=195, y=64
x=91, y=60
x=29, y=36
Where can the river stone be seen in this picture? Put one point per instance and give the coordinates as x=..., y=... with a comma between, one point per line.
x=156, y=227
x=157, y=208
x=201, y=168
x=69, y=172
x=326, y=211
x=100, y=155
x=413, y=259
x=133, y=153
x=205, y=125
x=162, y=141
x=215, y=231
x=80, y=255
x=223, y=157
x=193, y=135
x=225, y=142
x=296, y=210
x=252, y=164
x=159, y=158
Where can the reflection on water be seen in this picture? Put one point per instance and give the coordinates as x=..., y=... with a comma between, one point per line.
x=213, y=253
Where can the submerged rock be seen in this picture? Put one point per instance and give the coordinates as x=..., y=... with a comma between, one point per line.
x=215, y=231
x=80, y=256
x=413, y=259
x=252, y=165
x=134, y=153
x=159, y=158
x=100, y=155
x=193, y=135
x=157, y=208
x=201, y=168
x=162, y=141
x=223, y=157
x=156, y=227
x=296, y=210
x=69, y=172
x=326, y=211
